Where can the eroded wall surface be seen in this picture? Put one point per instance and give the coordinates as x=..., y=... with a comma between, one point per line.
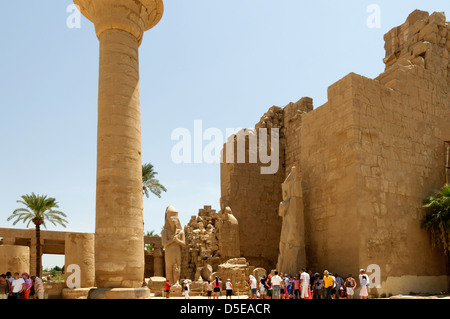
x=368, y=157
x=374, y=152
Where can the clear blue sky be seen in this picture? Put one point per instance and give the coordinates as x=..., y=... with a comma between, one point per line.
x=222, y=62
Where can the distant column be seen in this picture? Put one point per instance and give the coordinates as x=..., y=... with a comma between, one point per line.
x=15, y=259
x=79, y=251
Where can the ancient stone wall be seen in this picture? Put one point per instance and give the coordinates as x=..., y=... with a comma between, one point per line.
x=255, y=197
x=373, y=152
x=367, y=159
x=328, y=181
x=293, y=114
x=410, y=127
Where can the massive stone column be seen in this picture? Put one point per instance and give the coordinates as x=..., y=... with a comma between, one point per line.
x=119, y=242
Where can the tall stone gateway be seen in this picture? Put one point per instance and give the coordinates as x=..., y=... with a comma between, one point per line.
x=119, y=241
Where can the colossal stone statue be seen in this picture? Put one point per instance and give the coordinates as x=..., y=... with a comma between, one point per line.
x=292, y=248
x=228, y=234
x=173, y=240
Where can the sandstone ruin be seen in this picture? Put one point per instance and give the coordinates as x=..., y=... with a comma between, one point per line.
x=347, y=195
x=211, y=239
x=366, y=160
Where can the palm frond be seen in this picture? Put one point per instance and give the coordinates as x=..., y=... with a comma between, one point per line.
x=38, y=210
x=149, y=181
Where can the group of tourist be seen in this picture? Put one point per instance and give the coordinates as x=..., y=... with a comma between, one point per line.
x=304, y=285
x=20, y=286
x=213, y=289
x=308, y=285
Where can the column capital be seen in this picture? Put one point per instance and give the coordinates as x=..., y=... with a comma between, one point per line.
x=133, y=16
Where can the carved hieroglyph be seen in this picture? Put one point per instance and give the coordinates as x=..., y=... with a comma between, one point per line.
x=173, y=240
x=292, y=239
x=119, y=244
x=14, y=259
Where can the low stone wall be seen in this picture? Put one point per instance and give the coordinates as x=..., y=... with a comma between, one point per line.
x=406, y=285
x=54, y=290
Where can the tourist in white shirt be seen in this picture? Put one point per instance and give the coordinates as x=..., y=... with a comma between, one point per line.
x=17, y=286
x=253, y=286
x=186, y=290
x=276, y=284
x=304, y=284
x=362, y=272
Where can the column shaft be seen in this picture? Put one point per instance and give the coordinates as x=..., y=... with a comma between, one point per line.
x=119, y=240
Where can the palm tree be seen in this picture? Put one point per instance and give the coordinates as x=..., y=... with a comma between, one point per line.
x=39, y=209
x=437, y=221
x=149, y=182
x=151, y=233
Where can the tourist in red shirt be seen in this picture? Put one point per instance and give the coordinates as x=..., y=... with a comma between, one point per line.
x=167, y=288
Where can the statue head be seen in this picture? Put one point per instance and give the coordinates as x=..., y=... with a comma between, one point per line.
x=228, y=210
x=171, y=219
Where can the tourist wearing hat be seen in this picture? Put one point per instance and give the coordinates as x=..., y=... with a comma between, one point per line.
x=328, y=283
x=364, y=291
x=361, y=274
x=228, y=288
x=186, y=289
x=28, y=285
